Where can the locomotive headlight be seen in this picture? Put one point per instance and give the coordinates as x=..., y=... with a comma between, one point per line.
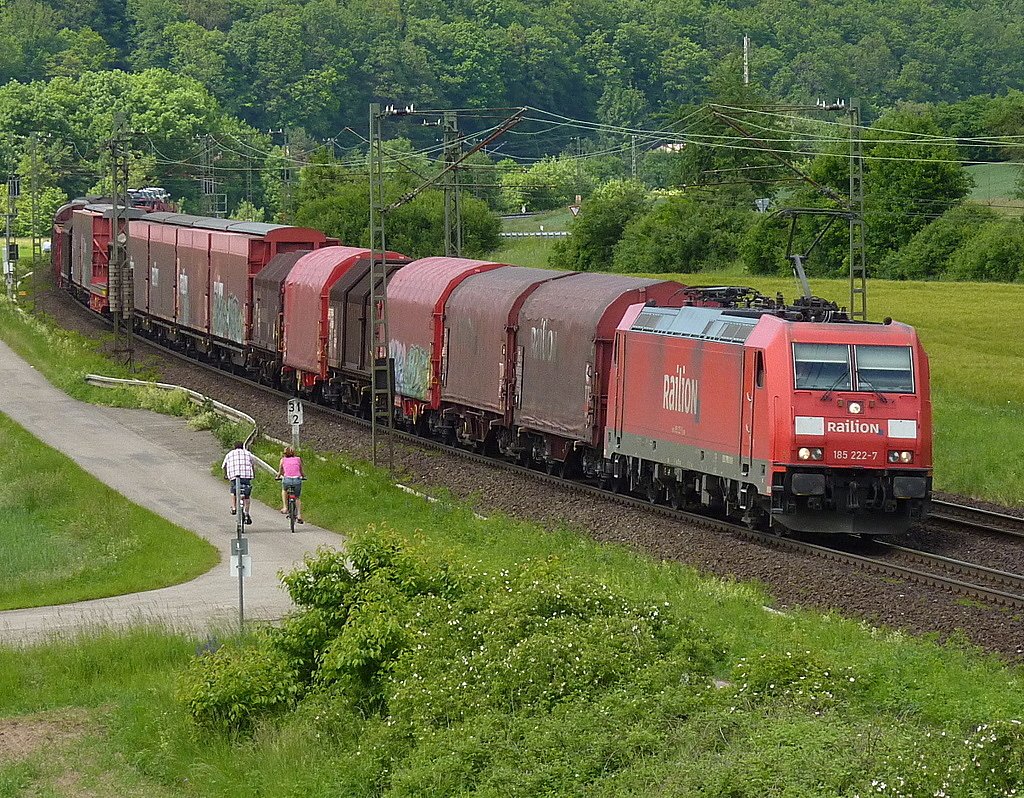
x=817, y=454
x=855, y=407
x=804, y=453
x=906, y=457
x=894, y=457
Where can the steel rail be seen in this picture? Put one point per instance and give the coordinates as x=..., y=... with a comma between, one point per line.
x=978, y=518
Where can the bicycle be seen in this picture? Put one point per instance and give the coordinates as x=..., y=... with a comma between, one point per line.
x=291, y=496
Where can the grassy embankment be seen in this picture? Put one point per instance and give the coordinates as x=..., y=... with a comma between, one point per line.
x=970, y=331
x=68, y=537
x=995, y=185
x=65, y=536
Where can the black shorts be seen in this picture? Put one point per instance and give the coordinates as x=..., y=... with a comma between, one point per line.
x=245, y=487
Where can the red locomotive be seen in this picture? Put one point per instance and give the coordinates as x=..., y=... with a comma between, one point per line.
x=716, y=397
x=819, y=427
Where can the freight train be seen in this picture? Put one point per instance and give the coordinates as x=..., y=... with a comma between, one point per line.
x=791, y=417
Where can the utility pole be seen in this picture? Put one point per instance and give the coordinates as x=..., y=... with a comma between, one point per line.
x=746, y=60
x=120, y=287
x=632, y=169
x=248, y=179
x=11, y=248
x=452, y=198
x=214, y=203
x=858, y=266
x=382, y=372
x=851, y=206
x=37, y=238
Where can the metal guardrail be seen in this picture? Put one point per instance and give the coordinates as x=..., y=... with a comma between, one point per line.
x=228, y=412
x=544, y=234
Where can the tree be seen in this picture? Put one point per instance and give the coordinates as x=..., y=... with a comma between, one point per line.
x=908, y=178
x=415, y=228
x=995, y=252
x=682, y=235
x=247, y=212
x=549, y=183
x=929, y=253
x=82, y=50
x=602, y=220
x=28, y=40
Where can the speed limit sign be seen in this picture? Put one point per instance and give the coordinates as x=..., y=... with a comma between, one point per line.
x=295, y=412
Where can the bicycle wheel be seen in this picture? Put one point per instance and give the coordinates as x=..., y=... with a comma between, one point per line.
x=291, y=512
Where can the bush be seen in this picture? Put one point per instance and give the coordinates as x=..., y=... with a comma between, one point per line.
x=995, y=252
x=682, y=235
x=928, y=254
x=600, y=225
x=230, y=689
x=424, y=644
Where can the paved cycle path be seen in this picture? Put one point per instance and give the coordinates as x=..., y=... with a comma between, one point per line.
x=162, y=464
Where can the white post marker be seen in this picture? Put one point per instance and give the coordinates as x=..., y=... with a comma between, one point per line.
x=295, y=419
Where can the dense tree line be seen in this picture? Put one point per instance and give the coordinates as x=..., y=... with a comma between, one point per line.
x=317, y=63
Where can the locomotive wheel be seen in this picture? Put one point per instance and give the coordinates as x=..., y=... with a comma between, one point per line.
x=652, y=493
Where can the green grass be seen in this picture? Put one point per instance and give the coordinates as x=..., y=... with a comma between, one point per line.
x=996, y=183
x=559, y=219
x=68, y=537
x=533, y=252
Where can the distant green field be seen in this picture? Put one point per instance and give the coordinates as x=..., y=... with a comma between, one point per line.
x=550, y=220
x=995, y=183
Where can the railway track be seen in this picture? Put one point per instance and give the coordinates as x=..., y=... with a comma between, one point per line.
x=976, y=518
x=918, y=567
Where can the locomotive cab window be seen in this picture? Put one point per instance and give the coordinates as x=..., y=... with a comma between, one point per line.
x=888, y=369
x=822, y=367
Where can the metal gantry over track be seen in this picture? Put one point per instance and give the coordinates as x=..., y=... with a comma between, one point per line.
x=120, y=288
x=851, y=207
x=382, y=376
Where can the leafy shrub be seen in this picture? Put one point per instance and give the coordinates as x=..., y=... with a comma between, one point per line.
x=763, y=248
x=794, y=677
x=929, y=252
x=996, y=252
x=231, y=688
x=682, y=235
x=404, y=635
x=986, y=761
x=600, y=225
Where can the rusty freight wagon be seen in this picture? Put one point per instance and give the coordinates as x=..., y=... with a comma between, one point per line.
x=197, y=287
x=325, y=333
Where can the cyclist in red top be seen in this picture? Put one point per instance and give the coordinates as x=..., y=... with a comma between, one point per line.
x=291, y=475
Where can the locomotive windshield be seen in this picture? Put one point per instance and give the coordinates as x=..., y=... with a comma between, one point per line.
x=884, y=368
x=829, y=367
x=822, y=367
